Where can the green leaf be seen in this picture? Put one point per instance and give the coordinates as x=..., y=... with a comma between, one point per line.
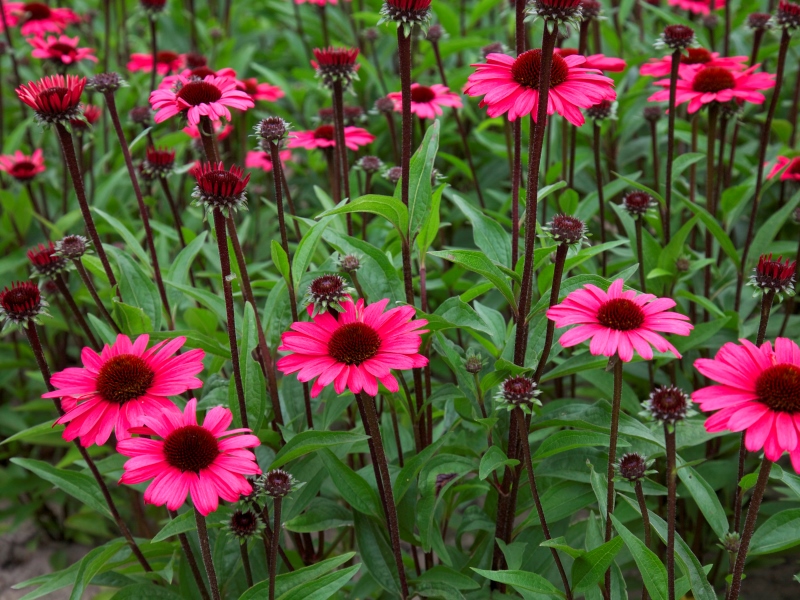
x=779, y=532
x=479, y=263
x=685, y=160
x=309, y=441
x=130, y=240
x=46, y=428
x=653, y=571
x=131, y=319
x=771, y=227
x=286, y=582
x=91, y=565
x=493, y=460
x=713, y=226
x=212, y=302
x=489, y=235
x=322, y=588
x=706, y=498
x=375, y=552
x=280, y=259
x=78, y=485
x=146, y=590
x=353, y=488
x=588, y=570
x=179, y=268
x=181, y=524
x=137, y=287
x=391, y=209
x=522, y=580
x=561, y=441
x=419, y=180
x=306, y=249
x=413, y=466
x=194, y=339
x=430, y=228
x=320, y=515
x=255, y=387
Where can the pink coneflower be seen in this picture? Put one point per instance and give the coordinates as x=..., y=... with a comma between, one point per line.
x=200, y=72
x=55, y=98
x=696, y=58
x=715, y=84
x=356, y=350
x=207, y=461
x=323, y=137
x=37, y=18
x=264, y=92
x=62, y=49
x=22, y=167
x=511, y=85
x=221, y=131
x=427, y=102
x=45, y=261
x=618, y=322
x=210, y=97
x=698, y=7
x=788, y=168
x=256, y=159
x=758, y=392
x=90, y=114
x=601, y=62
x=166, y=62
x=126, y=382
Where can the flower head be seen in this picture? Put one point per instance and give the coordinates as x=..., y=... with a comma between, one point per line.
x=715, y=84
x=676, y=37
x=632, y=467
x=264, y=92
x=618, y=322
x=153, y=8
x=355, y=350
x=124, y=384
x=45, y=261
x=759, y=21
x=493, y=48
x=323, y=137
x=62, y=50
x=787, y=15
x=557, y=11
x=22, y=167
x=638, y=203
x=595, y=61
x=652, y=114
x=220, y=189
x=788, y=168
x=210, y=97
x=436, y=33
x=407, y=13
x=21, y=304
x=774, y=275
x=106, y=83
x=590, y=9
x=90, y=114
x=207, y=461
x=72, y=247
x=473, y=362
x=758, y=392
x=165, y=62
x=257, y=159
x=668, y=405
x=566, y=229
x=696, y=58
x=278, y=483
x=511, y=85
x=427, y=102
x=384, y=105
x=37, y=18
x=245, y=524
x=370, y=164
x=336, y=65
x=272, y=129
x=518, y=392
x=54, y=99
x=349, y=263
x=393, y=174
x=158, y=162
x=698, y=7
x=328, y=292
x=605, y=109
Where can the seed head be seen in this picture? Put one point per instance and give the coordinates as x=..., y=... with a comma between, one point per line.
x=327, y=293
x=518, y=392
x=393, y=174
x=272, y=129
x=72, y=247
x=667, y=404
x=759, y=21
x=652, y=113
x=106, y=83
x=774, y=275
x=566, y=229
x=278, y=483
x=637, y=203
x=676, y=37
x=349, y=263
x=370, y=164
x=632, y=466
x=244, y=524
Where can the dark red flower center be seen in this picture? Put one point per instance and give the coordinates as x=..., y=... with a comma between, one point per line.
x=62, y=49
x=779, y=388
x=713, y=79
x=327, y=285
x=793, y=168
x=52, y=93
x=250, y=86
x=696, y=56
x=422, y=94
x=37, y=11
x=221, y=180
x=123, y=378
x=166, y=57
x=23, y=169
x=191, y=448
x=324, y=132
x=354, y=343
x=21, y=297
x=196, y=93
x=632, y=466
x=527, y=68
x=202, y=72
x=519, y=386
x=244, y=523
x=620, y=314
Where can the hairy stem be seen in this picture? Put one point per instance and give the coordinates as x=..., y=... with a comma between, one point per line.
x=205, y=549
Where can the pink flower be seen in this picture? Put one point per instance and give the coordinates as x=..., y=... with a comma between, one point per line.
x=200, y=72
x=37, y=18
x=126, y=382
x=511, y=85
x=207, y=461
x=22, y=167
x=260, y=91
x=318, y=2
x=618, y=322
x=758, y=392
x=696, y=58
x=698, y=7
x=427, y=102
x=355, y=351
x=210, y=97
x=715, y=84
x=322, y=137
x=220, y=131
x=62, y=49
x=600, y=62
x=791, y=166
x=166, y=62
x=257, y=159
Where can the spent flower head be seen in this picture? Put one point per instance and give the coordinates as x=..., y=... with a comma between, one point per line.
x=278, y=483
x=518, y=392
x=244, y=524
x=668, y=405
x=632, y=467
x=566, y=229
x=637, y=203
x=676, y=37
x=72, y=247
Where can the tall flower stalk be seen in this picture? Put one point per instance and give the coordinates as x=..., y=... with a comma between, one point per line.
x=205, y=551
